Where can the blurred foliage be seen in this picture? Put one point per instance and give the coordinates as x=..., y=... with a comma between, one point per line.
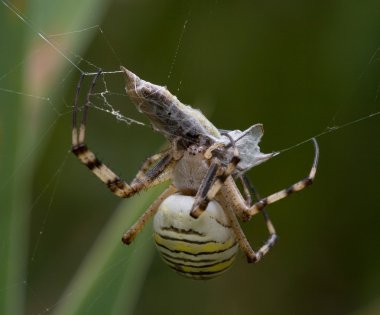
x=298, y=67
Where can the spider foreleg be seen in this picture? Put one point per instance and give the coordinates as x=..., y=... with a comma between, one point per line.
x=208, y=152
x=211, y=191
x=78, y=137
x=144, y=179
x=201, y=201
x=74, y=130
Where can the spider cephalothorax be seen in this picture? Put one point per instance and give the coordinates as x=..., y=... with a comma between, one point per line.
x=203, y=164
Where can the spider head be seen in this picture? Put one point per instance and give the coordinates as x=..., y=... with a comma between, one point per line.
x=195, y=150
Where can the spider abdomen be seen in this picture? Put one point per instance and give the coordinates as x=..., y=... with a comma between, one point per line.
x=200, y=248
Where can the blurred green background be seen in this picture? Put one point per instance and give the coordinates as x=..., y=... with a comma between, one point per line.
x=298, y=67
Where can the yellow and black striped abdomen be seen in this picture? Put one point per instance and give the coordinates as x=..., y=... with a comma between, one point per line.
x=200, y=248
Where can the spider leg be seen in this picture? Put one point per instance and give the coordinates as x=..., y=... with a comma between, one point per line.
x=303, y=183
x=118, y=186
x=209, y=191
x=236, y=201
x=149, y=162
x=136, y=228
x=159, y=173
x=200, y=200
x=244, y=245
x=250, y=190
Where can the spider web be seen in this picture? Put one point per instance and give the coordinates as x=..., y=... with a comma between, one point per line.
x=106, y=100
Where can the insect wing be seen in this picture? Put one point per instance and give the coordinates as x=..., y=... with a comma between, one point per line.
x=247, y=143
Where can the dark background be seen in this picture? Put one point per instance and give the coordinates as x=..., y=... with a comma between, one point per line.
x=298, y=67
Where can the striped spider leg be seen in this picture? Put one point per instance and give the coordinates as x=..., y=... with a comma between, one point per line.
x=249, y=191
x=235, y=200
x=245, y=246
x=145, y=178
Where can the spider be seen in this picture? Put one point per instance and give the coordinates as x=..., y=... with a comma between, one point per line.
x=196, y=227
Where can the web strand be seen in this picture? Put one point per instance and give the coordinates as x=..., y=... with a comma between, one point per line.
x=17, y=12
x=332, y=129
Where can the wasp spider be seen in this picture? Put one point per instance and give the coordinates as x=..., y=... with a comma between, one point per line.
x=196, y=226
